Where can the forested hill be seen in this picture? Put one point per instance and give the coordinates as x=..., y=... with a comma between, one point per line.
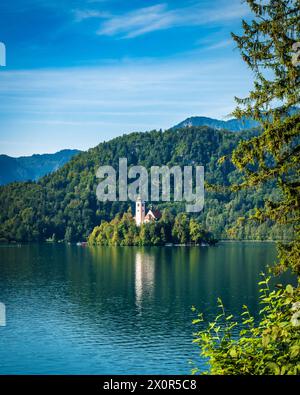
x=32, y=167
x=64, y=204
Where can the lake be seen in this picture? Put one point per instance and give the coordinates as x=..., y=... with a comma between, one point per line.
x=118, y=310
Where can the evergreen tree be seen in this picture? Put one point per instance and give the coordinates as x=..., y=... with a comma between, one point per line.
x=267, y=48
x=273, y=345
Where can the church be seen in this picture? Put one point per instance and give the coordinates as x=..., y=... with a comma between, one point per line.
x=140, y=214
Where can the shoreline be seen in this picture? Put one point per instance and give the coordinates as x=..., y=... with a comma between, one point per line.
x=168, y=245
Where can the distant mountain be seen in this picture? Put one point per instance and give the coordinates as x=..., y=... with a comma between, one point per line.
x=234, y=125
x=33, y=167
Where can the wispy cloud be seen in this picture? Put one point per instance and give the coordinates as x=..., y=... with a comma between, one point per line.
x=158, y=17
x=48, y=108
x=138, y=22
x=209, y=45
x=81, y=15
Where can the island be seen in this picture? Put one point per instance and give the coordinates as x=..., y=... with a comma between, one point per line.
x=153, y=228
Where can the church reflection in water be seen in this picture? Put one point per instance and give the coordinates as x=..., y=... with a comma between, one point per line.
x=144, y=277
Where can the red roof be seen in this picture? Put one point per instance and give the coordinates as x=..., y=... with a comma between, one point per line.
x=156, y=213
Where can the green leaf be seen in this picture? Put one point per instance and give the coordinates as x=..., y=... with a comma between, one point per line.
x=295, y=351
x=274, y=368
x=289, y=289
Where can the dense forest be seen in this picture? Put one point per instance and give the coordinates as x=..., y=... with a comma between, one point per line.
x=122, y=231
x=63, y=205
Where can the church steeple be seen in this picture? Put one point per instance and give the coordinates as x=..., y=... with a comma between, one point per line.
x=139, y=212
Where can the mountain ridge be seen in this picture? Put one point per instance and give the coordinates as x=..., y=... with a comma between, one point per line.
x=233, y=125
x=25, y=168
x=33, y=167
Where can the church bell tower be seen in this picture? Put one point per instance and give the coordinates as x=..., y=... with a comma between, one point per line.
x=139, y=212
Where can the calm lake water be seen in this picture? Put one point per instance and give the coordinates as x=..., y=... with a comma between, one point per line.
x=125, y=310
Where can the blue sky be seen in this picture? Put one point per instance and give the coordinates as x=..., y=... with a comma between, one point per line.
x=81, y=72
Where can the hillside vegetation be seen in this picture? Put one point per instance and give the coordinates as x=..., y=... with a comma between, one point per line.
x=63, y=205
